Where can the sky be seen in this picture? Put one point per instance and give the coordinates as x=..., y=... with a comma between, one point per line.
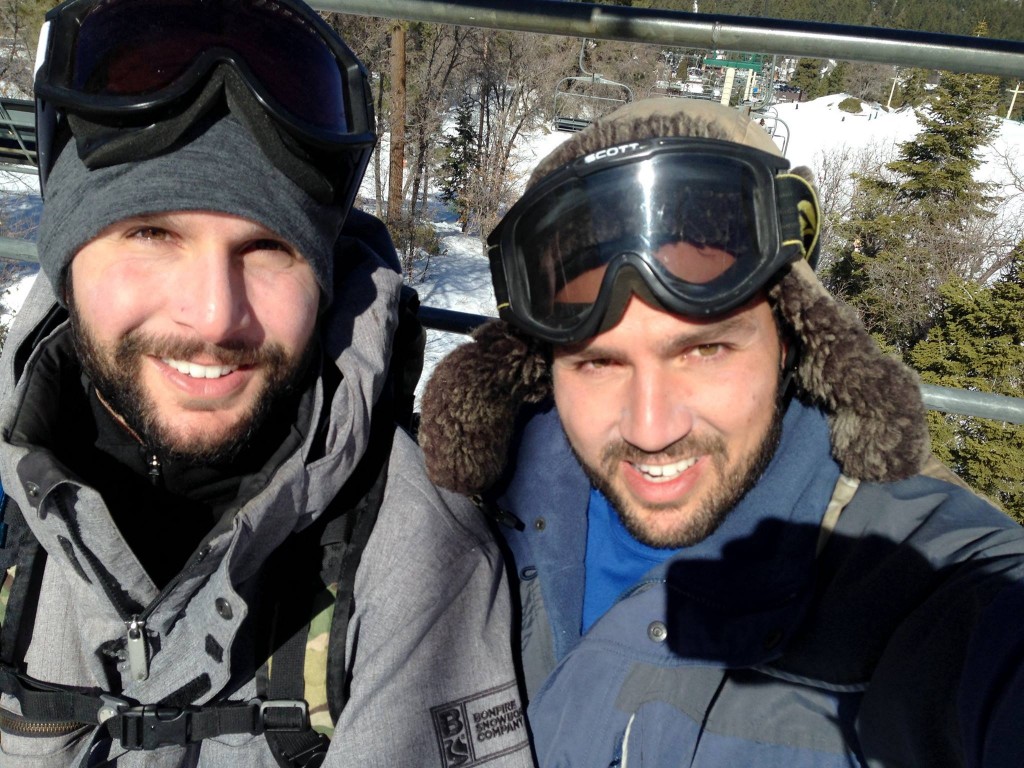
x=459, y=277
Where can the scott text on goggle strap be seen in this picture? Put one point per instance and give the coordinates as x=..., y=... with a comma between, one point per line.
x=611, y=151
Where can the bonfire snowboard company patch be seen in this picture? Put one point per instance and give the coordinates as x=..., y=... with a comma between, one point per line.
x=479, y=728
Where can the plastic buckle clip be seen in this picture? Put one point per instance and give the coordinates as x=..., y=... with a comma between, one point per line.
x=286, y=724
x=152, y=726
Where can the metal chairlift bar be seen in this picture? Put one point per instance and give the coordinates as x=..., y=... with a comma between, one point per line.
x=18, y=250
x=21, y=125
x=964, y=402
x=906, y=48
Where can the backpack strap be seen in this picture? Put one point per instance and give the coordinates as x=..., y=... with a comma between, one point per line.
x=22, y=557
x=343, y=534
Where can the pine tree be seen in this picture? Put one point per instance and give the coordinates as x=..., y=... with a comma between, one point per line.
x=807, y=78
x=938, y=164
x=906, y=233
x=460, y=163
x=913, y=87
x=978, y=344
x=835, y=81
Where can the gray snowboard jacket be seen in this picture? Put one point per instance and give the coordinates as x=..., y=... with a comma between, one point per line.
x=428, y=644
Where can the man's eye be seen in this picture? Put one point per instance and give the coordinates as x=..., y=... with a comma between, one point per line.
x=148, y=233
x=708, y=350
x=269, y=245
x=270, y=253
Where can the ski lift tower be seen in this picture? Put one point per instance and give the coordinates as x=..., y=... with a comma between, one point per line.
x=753, y=63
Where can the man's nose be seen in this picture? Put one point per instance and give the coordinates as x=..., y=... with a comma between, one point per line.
x=213, y=300
x=657, y=412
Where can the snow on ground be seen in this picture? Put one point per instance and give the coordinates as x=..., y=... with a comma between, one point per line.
x=460, y=277
x=14, y=297
x=820, y=126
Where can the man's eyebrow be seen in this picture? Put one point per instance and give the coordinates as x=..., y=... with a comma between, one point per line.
x=712, y=331
x=704, y=333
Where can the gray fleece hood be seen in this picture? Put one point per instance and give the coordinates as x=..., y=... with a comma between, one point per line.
x=872, y=400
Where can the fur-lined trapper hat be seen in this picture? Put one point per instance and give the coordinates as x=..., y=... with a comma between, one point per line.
x=874, y=406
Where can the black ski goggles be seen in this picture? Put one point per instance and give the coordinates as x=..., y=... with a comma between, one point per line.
x=130, y=64
x=703, y=223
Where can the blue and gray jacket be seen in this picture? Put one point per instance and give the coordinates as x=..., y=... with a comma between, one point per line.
x=859, y=607
x=885, y=637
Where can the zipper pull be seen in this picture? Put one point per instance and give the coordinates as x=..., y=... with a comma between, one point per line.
x=138, y=653
x=153, y=463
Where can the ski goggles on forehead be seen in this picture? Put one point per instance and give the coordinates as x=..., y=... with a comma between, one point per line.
x=703, y=224
x=134, y=62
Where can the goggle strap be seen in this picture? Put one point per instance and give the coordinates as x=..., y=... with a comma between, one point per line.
x=497, y=268
x=800, y=215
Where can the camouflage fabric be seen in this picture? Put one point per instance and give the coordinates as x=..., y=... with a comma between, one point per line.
x=315, y=671
x=5, y=592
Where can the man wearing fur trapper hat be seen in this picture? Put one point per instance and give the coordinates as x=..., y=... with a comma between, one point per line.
x=732, y=545
x=220, y=549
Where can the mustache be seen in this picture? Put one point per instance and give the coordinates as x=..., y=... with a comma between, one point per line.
x=240, y=353
x=685, y=447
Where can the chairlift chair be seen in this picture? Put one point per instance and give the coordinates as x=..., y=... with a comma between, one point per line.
x=17, y=132
x=580, y=99
x=773, y=125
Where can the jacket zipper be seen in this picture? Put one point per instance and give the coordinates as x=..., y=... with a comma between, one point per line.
x=138, y=650
x=19, y=726
x=154, y=469
x=137, y=645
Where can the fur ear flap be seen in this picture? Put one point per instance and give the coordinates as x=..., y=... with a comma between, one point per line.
x=469, y=407
x=879, y=430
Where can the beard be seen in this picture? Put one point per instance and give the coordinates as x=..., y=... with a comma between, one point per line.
x=116, y=373
x=734, y=483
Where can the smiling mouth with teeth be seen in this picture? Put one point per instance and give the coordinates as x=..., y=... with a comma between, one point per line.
x=661, y=473
x=197, y=371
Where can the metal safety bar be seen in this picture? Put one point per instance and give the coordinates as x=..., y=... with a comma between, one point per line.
x=987, y=405
x=17, y=131
x=18, y=250
x=907, y=48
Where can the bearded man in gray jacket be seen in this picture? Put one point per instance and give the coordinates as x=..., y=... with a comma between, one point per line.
x=194, y=412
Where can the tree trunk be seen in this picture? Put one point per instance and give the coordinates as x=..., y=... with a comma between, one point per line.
x=394, y=215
